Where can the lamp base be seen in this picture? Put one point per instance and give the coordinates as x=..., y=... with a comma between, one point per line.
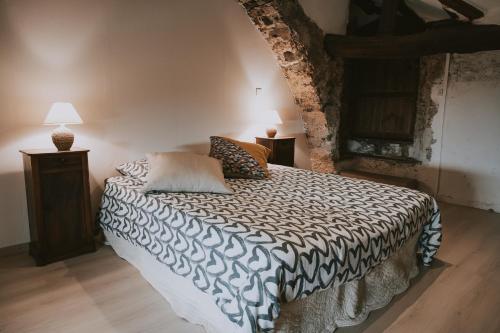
x=271, y=132
x=63, y=138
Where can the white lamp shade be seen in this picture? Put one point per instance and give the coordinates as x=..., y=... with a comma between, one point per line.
x=62, y=114
x=272, y=117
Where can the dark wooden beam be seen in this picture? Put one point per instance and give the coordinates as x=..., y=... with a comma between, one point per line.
x=387, y=22
x=464, y=8
x=367, y=6
x=466, y=38
x=444, y=23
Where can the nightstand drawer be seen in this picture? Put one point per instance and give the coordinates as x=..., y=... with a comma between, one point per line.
x=57, y=162
x=282, y=149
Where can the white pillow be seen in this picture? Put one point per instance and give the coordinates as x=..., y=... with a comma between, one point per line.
x=185, y=172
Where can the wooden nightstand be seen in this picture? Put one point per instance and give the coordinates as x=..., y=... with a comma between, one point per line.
x=57, y=190
x=282, y=149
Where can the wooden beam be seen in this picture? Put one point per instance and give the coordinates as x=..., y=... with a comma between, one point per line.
x=466, y=38
x=367, y=6
x=388, y=17
x=464, y=8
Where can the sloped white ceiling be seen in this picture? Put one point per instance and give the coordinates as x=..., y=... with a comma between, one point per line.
x=330, y=15
x=432, y=10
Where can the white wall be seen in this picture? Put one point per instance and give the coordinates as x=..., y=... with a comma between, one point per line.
x=432, y=10
x=330, y=15
x=470, y=157
x=464, y=135
x=144, y=75
x=165, y=75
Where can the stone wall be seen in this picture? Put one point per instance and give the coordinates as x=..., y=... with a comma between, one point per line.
x=316, y=81
x=314, y=78
x=451, y=159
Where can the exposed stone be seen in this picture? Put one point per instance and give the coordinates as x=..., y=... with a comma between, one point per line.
x=382, y=148
x=464, y=70
x=316, y=82
x=431, y=78
x=314, y=78
x=419, y=153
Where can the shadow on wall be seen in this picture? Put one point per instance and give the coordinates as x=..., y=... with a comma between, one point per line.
x=458, y=186
x=13, y=208
x=463, y=187
x=453, y=185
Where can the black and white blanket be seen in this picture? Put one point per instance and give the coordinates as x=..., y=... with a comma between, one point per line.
x=274, y=240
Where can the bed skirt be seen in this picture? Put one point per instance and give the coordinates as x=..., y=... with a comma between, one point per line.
x=345, y=305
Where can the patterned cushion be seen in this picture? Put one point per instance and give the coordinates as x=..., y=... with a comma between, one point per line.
x=138, y=169
x=240, y=159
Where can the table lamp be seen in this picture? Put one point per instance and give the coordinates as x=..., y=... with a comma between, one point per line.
x=62, y=114
x=272, y=119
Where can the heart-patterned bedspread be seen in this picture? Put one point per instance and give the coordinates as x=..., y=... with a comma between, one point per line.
x=274, y=240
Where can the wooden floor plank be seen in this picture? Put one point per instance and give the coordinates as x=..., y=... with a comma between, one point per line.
x=100, y=292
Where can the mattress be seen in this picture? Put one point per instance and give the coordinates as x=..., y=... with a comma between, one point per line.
x=273, y=241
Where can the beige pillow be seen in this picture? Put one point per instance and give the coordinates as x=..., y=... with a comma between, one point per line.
x=185, y=172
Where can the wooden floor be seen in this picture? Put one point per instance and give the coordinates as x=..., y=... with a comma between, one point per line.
x=102, y=293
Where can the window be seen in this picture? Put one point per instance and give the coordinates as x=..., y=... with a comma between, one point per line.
x=381, y=99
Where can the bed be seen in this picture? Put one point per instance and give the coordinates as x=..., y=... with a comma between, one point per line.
x=298, y=252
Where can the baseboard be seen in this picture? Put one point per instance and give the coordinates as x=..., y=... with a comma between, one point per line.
x=14, y=250
x=469, y=203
